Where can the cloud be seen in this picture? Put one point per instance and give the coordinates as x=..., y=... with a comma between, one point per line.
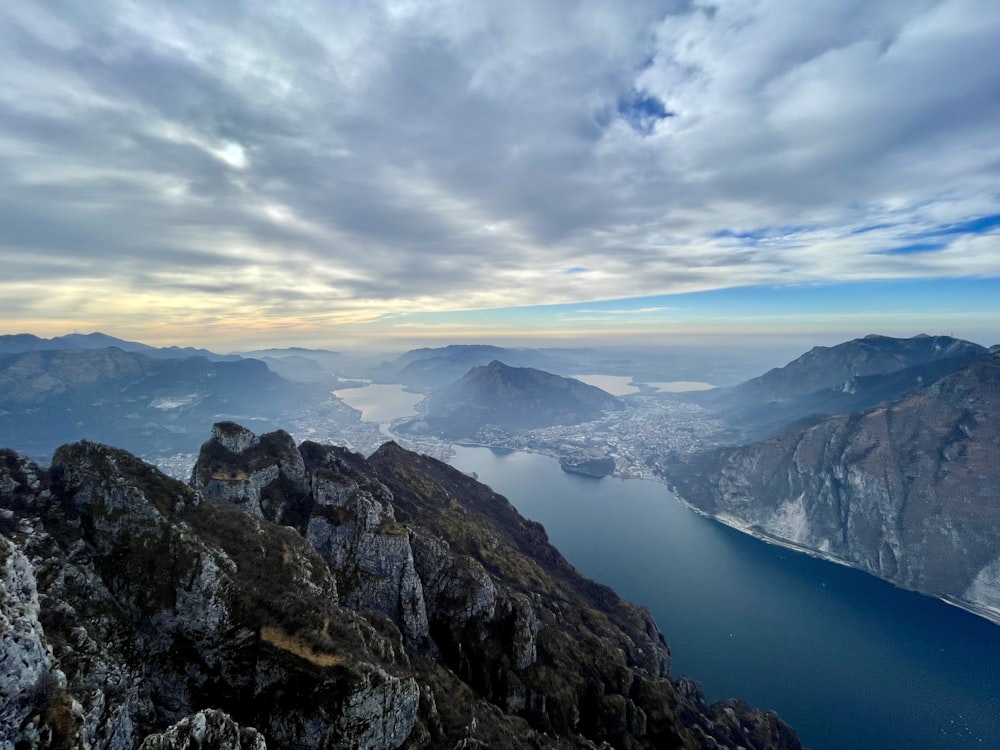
x=625, y=311
x=352, y=160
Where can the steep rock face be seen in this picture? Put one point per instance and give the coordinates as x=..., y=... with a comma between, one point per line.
x=346, y=515
x=26, y=664
x=516, y=621
x=146, y=612
x=162, y=603
x=906, y=491
x=209, y=729
x=263, y=475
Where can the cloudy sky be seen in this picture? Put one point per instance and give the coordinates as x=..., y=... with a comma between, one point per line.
x=331, y=173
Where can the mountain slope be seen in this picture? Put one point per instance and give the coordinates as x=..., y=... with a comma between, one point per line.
x=851, y=376
x=157, y=406
x=906, y=491
x=510, y=398
x=439, y=367
x=826, y=367
x=307, y=598
x=21, y=343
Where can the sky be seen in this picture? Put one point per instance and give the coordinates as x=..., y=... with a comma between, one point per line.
x=238, y=174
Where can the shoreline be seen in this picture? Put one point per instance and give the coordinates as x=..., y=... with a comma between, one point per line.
x=982, y=611
x=986, y=613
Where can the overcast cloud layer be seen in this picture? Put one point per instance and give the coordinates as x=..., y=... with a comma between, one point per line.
x=303, y=163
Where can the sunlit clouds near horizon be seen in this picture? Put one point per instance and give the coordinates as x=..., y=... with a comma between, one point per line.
x=317, y=172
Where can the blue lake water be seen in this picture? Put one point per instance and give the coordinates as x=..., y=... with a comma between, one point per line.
x=851, y=662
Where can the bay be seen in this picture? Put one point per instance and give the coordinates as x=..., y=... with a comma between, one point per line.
x=850, y=661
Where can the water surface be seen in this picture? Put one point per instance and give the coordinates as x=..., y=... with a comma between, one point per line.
x=681, y=386
x=380, y=403
x=616, y=385
x=851, y=662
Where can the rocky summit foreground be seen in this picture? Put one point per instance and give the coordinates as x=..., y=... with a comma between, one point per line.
x=305, y=597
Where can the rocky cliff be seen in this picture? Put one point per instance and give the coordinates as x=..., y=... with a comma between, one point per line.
x=908, y=491
x=303, y=596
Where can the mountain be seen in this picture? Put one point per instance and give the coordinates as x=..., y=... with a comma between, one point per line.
x=155, y=405
x=328, y=362
x=21, y=343
x=510, y=398
x=851, y=376
x=299, y=369
x=906, y=491
x=305, y=597
x=439, y=367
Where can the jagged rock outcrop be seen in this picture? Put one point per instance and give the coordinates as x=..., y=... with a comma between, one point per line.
x=323, y=492
x=906, y=491
x=206, y=730
x=399, y=604
x=155, y=604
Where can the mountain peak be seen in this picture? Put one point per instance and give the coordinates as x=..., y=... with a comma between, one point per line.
x=499, y=396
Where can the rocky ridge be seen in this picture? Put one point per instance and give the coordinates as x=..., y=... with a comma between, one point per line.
x=851, y=376
x=303, y=596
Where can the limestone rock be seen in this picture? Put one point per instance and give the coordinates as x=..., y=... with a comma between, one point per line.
x=138, y=611
x=26, y=677
x=205, y=730
x=906, y=490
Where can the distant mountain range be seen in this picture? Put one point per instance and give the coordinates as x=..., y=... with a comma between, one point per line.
x=510, y=398
x=430, y=368
x=826, y=380
x=436, y=368
x=154, y=404
x=902, y=482
x=21, y=343
x=303, y=365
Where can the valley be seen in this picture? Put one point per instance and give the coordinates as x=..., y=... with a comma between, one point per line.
x=917, y=409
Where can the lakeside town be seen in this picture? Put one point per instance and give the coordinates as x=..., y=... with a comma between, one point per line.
x=652, y=426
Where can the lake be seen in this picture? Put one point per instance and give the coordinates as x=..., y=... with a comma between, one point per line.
x=850, y=661
x=379, y=402
x=616, y=385
x=624, y=385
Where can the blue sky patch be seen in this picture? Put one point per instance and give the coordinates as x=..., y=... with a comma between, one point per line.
x=917, y=247
x=972, y=226
x=641, y=111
